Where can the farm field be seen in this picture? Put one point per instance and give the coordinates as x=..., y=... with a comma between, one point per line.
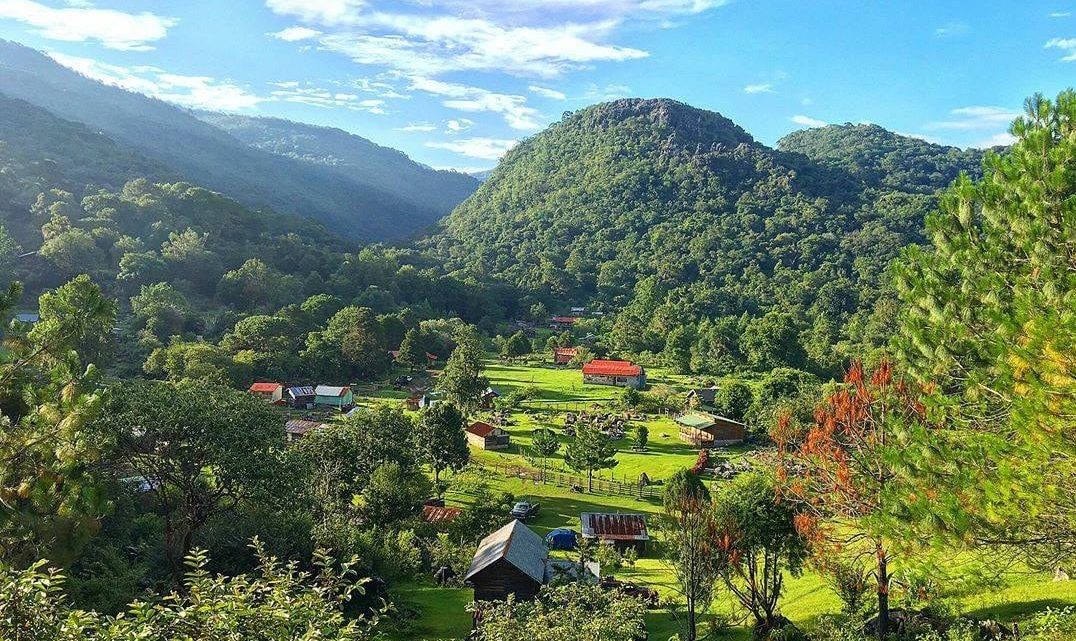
x=443, y=615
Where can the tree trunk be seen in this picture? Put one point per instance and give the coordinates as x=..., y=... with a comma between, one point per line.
x=882, y=576
x=590, y=481
x=692, y=633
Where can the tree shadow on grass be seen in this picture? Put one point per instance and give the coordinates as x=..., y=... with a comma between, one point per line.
x=1016, y=609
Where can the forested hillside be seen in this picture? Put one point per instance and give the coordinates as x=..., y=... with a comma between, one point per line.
x=204, y=154
x=686, y=226
x=351, y=156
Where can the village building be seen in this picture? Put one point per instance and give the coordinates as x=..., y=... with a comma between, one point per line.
x=428, y=399
x=513, y=560
x=271, y=392
x=413, y=401
x=297, y=428
x=701, y=397
x=487, y=437
x=619, y=373
x=486, y=398
x=705, y=430
x=563, y=322
x=339, y=398
x=622, y=531
x=564, y=355
x=301, y=397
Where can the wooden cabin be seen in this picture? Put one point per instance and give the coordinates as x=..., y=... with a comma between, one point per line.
x=487, y=437
x=622, y=531
x=564, y=355
x=709, y=430
x=511, y=561
x=487, y=398
x=618, y=373
x=339, y=398
x=271, y=392
x=301, y=397
x=297, y=428
x=701, y=397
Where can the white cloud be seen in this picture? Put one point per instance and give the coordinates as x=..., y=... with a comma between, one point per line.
x=546, y=92
x=296, y=34
x=976, y=117
x=952, y=29
x=512, y=108
x=113, y=29
x=327, y=11
x=196, y=92
x=307, y=93
x=608, y=92
x=483, y=148
x=417, y=126
x=1066, y=45
x=807, y=121
x=1002, y=139
x=1060, y=14
x=458, y=125
x=762, y=87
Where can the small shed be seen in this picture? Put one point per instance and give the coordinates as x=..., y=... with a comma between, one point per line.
x=564, y=355
x=297, y=428
x=512, y=560
x=701, y=397
x=487, y=437
x=486, y=398
x=271, y=392
x=622, y=531
x=337, y=397
x=618, y=373
x=428, y=399
x=301, y=397
x=709, y=430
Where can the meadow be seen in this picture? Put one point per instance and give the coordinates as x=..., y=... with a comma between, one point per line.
x=973, y=586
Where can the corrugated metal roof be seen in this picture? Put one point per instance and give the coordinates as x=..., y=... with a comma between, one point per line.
x=329, y=390
x=515, y=543
x=302, y=390
x=696, y=420
x=299, y=426
x=265, y=387
x=480, y=429
x=612, y=368
x=614, y=527
x=437, y=514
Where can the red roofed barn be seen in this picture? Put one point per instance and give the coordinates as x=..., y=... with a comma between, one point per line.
x=486, y=436
x=619, y=373
x=272, y=392
x=564, y=355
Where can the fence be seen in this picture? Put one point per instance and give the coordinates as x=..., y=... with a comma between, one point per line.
x=565, y=479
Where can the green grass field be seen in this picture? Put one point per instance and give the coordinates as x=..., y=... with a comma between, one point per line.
x=1008, y=596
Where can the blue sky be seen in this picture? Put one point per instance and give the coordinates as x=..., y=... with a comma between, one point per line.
x=456, y=82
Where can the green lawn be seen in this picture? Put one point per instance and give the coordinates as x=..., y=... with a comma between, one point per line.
x=806, y=597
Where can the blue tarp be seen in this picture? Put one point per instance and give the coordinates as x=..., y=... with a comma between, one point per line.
x=561, y=539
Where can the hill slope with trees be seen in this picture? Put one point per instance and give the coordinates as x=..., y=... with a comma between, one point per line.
x=204, y=154
x=680, y=221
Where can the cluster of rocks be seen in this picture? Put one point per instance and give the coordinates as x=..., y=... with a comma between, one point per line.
x=613, y=425
x=730, y=469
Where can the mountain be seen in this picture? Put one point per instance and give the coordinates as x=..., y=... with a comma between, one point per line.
x=482, y=176
x=207, y=155
x=672, y=214
x=351, y=156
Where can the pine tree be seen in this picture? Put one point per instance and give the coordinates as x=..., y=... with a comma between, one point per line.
x=462, y=381
x=589, y=451
x=411, y=353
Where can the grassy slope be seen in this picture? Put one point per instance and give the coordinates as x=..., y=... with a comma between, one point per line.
x=806, y=597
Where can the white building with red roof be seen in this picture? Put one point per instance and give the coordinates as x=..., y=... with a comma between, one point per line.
x=619, y=373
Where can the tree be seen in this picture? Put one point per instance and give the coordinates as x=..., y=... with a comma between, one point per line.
x=842, y=475
x=349, y=346
x=690, y=552
x=392, y=494
x=461, y=381
x=544, y=446
x=203, y=447
x=277, y=602
x=411, y=353
x=641, y=437
x=734, y=400
x=515, y=346
x=990, y=322
x=758, y=542
x=440, y=438
x=772, y=341
x=590, y=450
x=161, y=309
x=573, y=612
x=684, y=487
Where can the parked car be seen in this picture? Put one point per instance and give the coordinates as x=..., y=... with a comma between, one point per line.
x=524, y=510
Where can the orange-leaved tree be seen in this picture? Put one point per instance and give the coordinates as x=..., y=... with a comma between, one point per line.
x=845, y=475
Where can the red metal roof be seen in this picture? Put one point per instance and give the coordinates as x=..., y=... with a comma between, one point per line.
x=478, y=428
x=565, y=320
x=614, y=527
x=612, y=368
x=265, y=388
x=436, y=514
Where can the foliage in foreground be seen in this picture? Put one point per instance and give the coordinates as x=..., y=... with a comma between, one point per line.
x=572, y=612
x=279, y=602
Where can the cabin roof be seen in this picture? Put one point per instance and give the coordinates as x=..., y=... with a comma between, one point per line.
x=481, y=429
x=518, y=545
x=614, y=527
x=265, y=387
x=329, y=390
x=302, y=390
x=438, y=514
